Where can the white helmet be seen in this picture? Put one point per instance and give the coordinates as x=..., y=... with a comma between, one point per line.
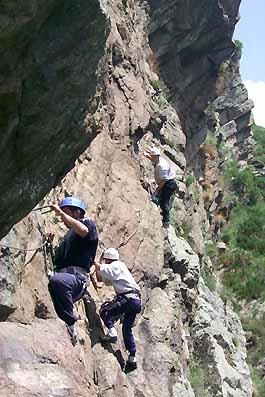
x=154, y=151
x=111, y=253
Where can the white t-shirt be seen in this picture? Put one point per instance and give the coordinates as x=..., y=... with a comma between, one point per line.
x=163, y=171
x=120, y=278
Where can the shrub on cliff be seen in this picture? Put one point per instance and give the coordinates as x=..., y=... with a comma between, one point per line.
x=248, y=187
x=259, y=135
x=245, y=233
x=239, y=45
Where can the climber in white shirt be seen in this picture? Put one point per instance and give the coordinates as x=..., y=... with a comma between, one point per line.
x=127, y=301
x=165, y=179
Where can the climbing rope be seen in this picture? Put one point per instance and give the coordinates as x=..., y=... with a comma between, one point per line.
x=128, y=239
x=45, y=247
x=36, y=248
x=48, y=251
x=24, y=249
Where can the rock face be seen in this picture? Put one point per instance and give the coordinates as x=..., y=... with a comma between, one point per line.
x=91, y=71
x=50, y=77
x=191, y=39
x=219, y=343
x=45, y=364
x=50, y=54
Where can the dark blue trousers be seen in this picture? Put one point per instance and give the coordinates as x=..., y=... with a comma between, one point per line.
x=166, y=198
x=66, y=289
x=129, y=307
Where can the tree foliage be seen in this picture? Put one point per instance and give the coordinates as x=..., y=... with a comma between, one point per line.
x=259, y=135
x=246, y=231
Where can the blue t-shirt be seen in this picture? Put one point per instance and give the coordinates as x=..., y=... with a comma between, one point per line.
x=75, y=250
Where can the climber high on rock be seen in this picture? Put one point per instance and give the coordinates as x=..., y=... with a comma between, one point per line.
x=73, y=258
x=127, y=301
x=166, y=185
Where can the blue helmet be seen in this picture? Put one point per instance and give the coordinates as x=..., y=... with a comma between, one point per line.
x=73, y=202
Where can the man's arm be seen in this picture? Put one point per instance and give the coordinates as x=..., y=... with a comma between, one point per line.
x=98, y=275
x=74, y=224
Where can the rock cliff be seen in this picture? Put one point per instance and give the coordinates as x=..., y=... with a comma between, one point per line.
x=87, y=88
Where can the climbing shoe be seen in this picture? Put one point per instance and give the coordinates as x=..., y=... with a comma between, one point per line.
x=109, y=339
x=111, y=336
x=130, y=365
x=73, y=333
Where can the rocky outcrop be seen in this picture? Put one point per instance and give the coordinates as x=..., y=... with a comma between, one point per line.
x=191, y=40
x=219, y=346
x=50, y=109
x=45, y=363
x=173, y=298
x=111, y=105
x=50, y=56
x=40, y=348
x=233, y=110
x=224, y=134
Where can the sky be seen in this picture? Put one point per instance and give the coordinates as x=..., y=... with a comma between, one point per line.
x=250, y=31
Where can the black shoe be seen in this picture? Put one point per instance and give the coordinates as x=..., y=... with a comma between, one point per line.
x=130, y=366
x=73, y=334
x=109, y=339
x=165, y=225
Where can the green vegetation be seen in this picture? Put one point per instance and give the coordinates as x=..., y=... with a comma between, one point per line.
x=225, y=150
x=244, y=264
x=246, y=236
x=197, y=378
x=258, y=381
x=239, y=45
x=259, y=135
x=221, y=147
x=196, y=196
x=246, y=275
x=173, y=217
x=256, y=328
x=171, y=141
x=246, y=232
x=211, y=249
x=185, y=230
x=229, y=198
x=211, y=139
x=244, y=183
x=256, y=352
x=189, y=180
x=156, y=84
x=209, y=279
x=223, y=68
x=210, y=109
x=160, y=87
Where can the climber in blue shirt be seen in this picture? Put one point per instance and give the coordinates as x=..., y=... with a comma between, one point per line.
x=73, y=258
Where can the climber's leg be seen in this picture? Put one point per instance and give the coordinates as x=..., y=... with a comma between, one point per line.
x=64, y=289
x=165, y=200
